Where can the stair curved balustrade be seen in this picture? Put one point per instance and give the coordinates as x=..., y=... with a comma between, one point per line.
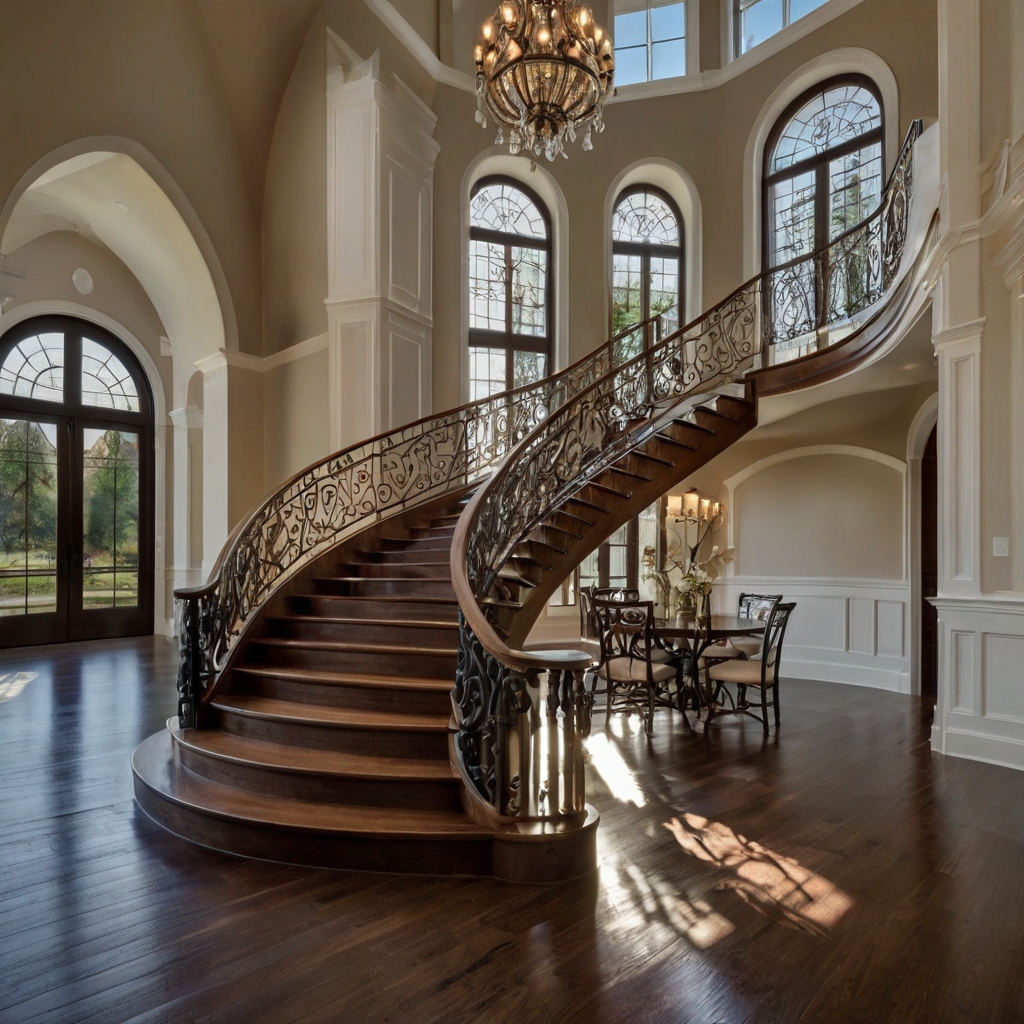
x=521, y=715
x=343, y=494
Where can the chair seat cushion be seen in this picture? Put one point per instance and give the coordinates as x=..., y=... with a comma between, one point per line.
x=633, y=670
x=748, y=645
x=722, y=649
x=746, y=672
x=660, y=656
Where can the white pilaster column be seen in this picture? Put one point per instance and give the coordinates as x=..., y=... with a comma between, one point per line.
x=188, y=491
x=216, y=523
x=380, y=160
x=959, y=458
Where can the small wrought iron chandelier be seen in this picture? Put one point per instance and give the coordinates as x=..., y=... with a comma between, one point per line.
x=543, y=71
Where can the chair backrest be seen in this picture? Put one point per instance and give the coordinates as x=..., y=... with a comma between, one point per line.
x=756, y=606
x=774, y=632
x=617, y=593
x=625, y=628
x=588, y=627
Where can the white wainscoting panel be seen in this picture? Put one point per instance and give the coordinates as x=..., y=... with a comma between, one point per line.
x=842, y=631
x=890, y=630
x=980, y=711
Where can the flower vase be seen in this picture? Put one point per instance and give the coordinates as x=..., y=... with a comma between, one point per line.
x=704, y=609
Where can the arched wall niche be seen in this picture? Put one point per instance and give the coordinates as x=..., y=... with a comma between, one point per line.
x=672, y=179
x=822, y=512
x=851, y=60
x=113, y=189
x=498, y=162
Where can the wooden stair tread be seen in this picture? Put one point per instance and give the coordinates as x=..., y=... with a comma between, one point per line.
x=336, y=620
x=342, y=647
x=396, y=598
x=154, y=765
x=365, y=679
x=282, y=757
x=321, y=714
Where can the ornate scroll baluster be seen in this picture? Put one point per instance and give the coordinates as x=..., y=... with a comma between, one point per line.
x=336, y=498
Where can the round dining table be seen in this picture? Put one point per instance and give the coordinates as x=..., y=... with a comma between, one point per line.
x=687, y=633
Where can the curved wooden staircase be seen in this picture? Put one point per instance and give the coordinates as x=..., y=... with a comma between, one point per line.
x=318, y=723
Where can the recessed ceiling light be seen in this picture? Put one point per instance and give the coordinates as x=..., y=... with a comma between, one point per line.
x=122, y=206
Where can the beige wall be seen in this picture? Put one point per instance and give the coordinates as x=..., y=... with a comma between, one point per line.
x=821, y=516
x=296, y=430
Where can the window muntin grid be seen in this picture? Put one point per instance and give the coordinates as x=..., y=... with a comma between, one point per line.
x=650, y=44
x=34, y=368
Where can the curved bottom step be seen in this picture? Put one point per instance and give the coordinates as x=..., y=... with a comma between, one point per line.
x=354, y=838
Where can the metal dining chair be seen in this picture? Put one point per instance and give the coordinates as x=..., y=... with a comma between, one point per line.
x=630, y=664
x=760, y=673
x=749, y=606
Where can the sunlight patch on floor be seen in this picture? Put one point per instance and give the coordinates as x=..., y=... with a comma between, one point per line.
x=606, y=759
x=12, y=683
x=774, y=885
x=648, y=908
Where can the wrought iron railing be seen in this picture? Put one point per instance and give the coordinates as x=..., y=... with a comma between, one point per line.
x=338, y=497
x=499, y=725
x=848, y=275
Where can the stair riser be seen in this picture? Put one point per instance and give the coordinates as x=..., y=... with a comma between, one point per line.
x=428, y=795
x=380, y=663
x=392, y=588
x=372, y=742
x=432, y=532
x=340, y=695
x=347, y=608
x=289, y=846
x=392, y=636
x=378, y=570
x=440, y=556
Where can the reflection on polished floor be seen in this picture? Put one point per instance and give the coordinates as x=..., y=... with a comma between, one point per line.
x=837, y=871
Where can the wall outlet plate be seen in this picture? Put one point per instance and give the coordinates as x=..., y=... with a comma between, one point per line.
x=1001, y=547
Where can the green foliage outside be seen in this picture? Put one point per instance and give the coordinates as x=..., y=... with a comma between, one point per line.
x=28, y=494
x=112, y=500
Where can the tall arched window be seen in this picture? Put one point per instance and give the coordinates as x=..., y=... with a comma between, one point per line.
x=647, y=258
x=76, y=485
x=823, y=167
x=510, y=288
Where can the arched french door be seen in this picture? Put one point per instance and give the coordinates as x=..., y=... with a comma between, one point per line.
x=76, y=485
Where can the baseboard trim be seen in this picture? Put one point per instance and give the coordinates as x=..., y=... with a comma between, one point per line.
x=976, y=746
x=893, y=680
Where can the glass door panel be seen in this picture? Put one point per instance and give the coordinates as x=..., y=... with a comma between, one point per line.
x=28, y=517
x=110, y=519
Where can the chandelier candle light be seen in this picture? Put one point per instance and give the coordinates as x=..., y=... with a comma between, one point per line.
x=543, y=71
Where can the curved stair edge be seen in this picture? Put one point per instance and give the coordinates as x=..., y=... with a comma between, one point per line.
x=219, y=818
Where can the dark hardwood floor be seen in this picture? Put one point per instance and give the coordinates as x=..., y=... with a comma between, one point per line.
x=836, y=872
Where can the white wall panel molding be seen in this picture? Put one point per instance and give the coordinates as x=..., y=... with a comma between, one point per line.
x=980, y=713
x=959, y=457
x=188, y=458
x=380, y=167
x=216, y=520
x=843, y=631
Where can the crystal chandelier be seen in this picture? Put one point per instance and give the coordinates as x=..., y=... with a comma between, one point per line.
x=543, y=70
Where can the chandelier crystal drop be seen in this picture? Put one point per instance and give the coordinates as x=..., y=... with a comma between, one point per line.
x=543, y=71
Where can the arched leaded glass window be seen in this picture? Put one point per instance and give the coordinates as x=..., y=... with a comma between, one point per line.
x=76, y=485
x=824, y=167
x=823, y=175
x=510, y=288
x=647, y=258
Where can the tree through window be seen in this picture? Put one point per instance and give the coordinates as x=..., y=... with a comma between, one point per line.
x=510, y=288
x=647, y=258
